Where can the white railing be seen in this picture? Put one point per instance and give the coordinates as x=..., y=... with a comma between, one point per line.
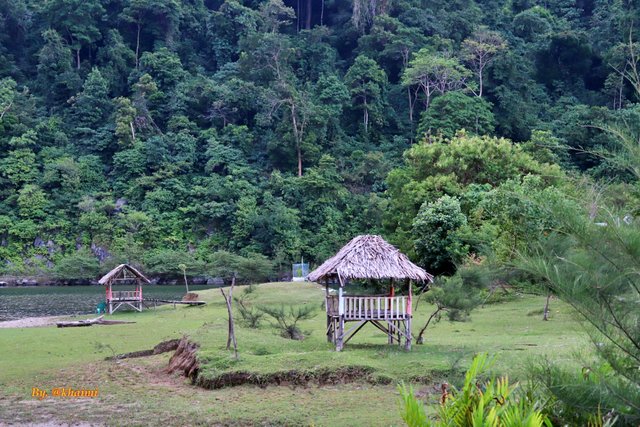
x=374, y=307
x=126, y=295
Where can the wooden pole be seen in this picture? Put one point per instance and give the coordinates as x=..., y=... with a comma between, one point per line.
x=339, y=341
x=407, y=345
x=340, y=338
x=326, y=301
x=231, y=338
x=391, y=294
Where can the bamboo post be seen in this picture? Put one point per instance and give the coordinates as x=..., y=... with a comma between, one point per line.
x=391, y=294
x=340, y=340
x=407, y=345
x=326, y=301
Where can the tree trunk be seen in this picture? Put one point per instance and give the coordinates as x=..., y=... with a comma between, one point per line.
x=138, y=47
x=480, y=78
x=366, y=116
x=184, y=274
x=309, y=3
x=322, y=13
x=420, y=339
x=78, y=58
x=545, y=316
x=298, y=137
x=410, y=107
x=133, y=132
x=231, y=337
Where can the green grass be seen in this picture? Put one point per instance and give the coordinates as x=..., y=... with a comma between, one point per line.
x=46, y=357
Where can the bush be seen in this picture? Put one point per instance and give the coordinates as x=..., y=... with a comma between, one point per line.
x=287, y=319
x=478, y=403
x=79, y=265
x=437, y=227
x=251, y=316
x=454, y=111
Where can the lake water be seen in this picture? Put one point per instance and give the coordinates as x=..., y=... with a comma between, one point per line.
x=33, y=301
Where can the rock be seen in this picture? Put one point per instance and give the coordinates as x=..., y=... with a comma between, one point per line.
x=215, y=281
x=38, y=243
x=198, y=280
x=100, y=252
x=120, y=203
x=52, y=248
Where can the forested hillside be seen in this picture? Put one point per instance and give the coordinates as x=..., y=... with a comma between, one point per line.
x=162, y=131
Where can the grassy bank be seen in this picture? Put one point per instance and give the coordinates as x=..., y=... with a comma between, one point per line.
x=73, y=357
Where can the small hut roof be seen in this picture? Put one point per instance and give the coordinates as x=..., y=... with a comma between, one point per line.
x=370, y=257
x=122, y=268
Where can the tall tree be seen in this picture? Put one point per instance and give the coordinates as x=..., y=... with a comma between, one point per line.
x=79, y=20
x=161, y=16
x=432, y=73
x=366, y=82
x=55, y=72
x=480, y=50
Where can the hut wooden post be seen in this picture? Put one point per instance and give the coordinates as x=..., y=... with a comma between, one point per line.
x=390, y=330
x=407, y=344
x=330, y=323
x=340, y=337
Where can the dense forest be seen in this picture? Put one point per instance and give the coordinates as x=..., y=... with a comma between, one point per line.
x=162, y=131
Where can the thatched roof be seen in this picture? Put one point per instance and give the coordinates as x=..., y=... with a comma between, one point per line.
x=370, y=257
x=123, y=271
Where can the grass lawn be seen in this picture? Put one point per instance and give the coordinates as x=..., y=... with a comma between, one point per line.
x=137, y=391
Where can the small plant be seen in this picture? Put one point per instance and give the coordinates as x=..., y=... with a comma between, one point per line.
x=477, y=403
x=101, y=348
x=287, y=319
x=251, y=317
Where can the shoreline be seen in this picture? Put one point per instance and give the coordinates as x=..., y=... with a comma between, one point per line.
x=32, y=322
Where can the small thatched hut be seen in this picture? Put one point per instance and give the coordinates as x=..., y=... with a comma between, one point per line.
x=369, y=257
x=123, y=273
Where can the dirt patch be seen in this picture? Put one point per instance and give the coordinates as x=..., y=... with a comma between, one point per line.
x=163, y=347
x=32, y=322
x=321, y=377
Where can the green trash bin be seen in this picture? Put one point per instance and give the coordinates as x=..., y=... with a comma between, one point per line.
x=102, y=307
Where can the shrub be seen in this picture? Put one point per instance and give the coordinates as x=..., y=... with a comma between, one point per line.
x=251, y=316
x=490, y=403
x=287, y=319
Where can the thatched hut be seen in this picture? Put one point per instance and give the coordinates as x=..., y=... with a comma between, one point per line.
x=123, y=273
x=369, y=257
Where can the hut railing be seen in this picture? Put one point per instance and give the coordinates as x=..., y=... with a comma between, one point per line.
x=369, y=307
x=332, y=305
x=126, y=295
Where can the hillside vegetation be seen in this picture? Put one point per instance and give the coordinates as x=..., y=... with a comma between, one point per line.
x=159, y=132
